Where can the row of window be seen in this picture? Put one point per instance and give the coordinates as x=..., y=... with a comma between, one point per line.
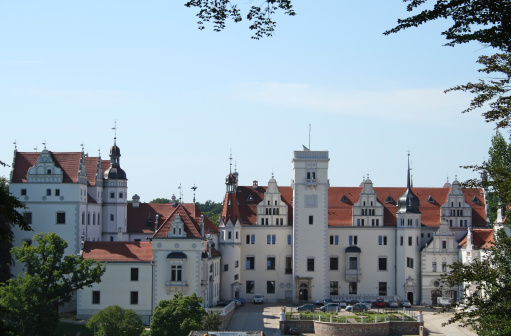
x=409, y=222
x=352, y=288
x=374, y=222
x=270, y=239
x=96, y=297
x=278, y=221
x=60, y=217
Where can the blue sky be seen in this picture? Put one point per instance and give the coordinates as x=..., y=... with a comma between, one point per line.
x=185, y=99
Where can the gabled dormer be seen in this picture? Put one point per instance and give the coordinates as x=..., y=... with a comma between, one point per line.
x=272, y=210
x=456, y=211
x=177, y=228
x=45, y=170
x=367, y=211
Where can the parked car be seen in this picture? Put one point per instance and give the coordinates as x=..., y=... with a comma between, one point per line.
x=352, y=302
x=237, y=302
x=306, y=307
x=343, y=304
x=380, y=303
x=293, y=331
x=368, y=304
x=357, y=307
x=330, y=307
x=392, y=304
x=258, y=298
x=406, y=304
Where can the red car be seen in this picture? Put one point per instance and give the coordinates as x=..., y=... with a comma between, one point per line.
x=380, y=303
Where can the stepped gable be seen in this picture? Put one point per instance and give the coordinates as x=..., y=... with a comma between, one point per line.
x=118, y=251
x=249, y=197
x=191, y=226
x=481, y=238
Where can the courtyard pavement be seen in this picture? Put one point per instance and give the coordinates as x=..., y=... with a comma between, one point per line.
x=266, y=317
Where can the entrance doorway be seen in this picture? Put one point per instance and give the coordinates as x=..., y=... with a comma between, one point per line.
x=304, y=292
x=410, y=297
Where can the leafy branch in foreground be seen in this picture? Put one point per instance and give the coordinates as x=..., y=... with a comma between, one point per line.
x=487, y=301
x=219, y=11
x=493, y=92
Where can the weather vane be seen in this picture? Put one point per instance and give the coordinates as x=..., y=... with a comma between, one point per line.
x=194, y=188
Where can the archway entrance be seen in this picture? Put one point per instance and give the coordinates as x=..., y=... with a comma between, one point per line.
x=410, y=297
x=435, y=294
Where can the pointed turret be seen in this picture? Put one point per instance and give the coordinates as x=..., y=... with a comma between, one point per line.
x=408, y=202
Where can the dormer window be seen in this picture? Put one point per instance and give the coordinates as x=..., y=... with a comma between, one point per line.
x=475, y=200
x=250, y=198
x=389, y=199
x=344, y=199
x=430, y=199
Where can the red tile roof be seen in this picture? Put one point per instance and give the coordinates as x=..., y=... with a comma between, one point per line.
x=340, y=213
x=69, y=163
x=190, y=215
x=118, y=251
x=481, y=238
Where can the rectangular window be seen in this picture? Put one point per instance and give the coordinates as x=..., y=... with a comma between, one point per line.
x=134, y=274
x=331, y=240
x=248, y=239
x=236, y=276
x=384, y=240
x=88, y=218
x=336, y=240
x=270, y=263
x=311, y=220
x=289, y=239
x=310, y=265
x=353, y=263
x=334, y=288
x=250, y=263
x=226, y=267
x=121, y=195
x=409, y=262
x=61, y=218
x=355, y=240
x=48, y=192
x=380, y=240
x=273, y=239
x=133, y=298
x=268, y=239
x=289, y=265
x=444, y=244
x=250, y=287
x=444, y=267
x=334, y=264
x=236, y=264
x=112, y=195
x=23, y=192
x=350, y=240
x=401, y=240
x=352, y=288
x=57, y=192
x=382, y=288
x=433, y=266
x=176, y=273
x=27, y=216
x=112, y=217
x=252, y=239
x=270, y=287
x=382, y=264
x=96, y=297
x=409, y=241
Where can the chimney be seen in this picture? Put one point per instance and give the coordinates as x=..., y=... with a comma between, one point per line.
x=173, y=200
x=156, y=222
x=136, y=201
x=119, y=233
x=202, y=225
x=255, y=184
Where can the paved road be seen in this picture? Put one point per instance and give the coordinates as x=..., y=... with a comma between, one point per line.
x=266, y=317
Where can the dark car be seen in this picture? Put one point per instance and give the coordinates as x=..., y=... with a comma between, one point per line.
x=293, y=331
x=306, y=307
x=356, y=308
x=331, y=307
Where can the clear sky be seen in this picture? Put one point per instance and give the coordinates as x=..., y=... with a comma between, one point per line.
x=185, y=99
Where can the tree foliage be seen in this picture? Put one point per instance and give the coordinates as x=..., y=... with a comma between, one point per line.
x=261, y=19
x=114, y=320
x=211, y=209
x=211, y=321
x=487, y=303
x=178, y=316
x=8, y=213
x=485, y=21
x=49, y=279
x=161, y=200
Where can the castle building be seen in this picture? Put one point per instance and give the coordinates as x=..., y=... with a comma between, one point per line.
x=310, y=241
x=299, y=243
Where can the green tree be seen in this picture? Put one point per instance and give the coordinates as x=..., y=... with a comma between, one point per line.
x=49, y=279
x=178, y=316
x=211, y=321
x=211, y=209
x=218, y=12
x=484, y=21
x=8, y=213
x=161, y=200
x=114, y=320
x=487, y=305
